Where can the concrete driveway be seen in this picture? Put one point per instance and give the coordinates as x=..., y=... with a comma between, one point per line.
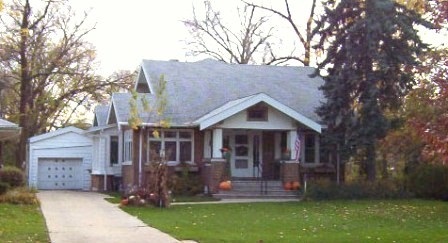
x=74, y=216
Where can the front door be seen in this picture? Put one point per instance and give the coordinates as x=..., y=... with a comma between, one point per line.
x=246, y=154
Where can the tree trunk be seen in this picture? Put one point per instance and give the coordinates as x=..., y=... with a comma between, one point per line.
x=25, y=88
x=370, y=162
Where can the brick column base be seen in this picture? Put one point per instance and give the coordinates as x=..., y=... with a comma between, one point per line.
x=290, y=171
x=217, y=173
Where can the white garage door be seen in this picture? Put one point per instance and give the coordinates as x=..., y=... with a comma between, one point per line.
x=59, y=173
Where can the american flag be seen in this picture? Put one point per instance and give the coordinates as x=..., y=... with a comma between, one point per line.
x=297, y=146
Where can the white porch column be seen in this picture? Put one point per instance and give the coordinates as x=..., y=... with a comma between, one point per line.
x=277, y=149
x=207, y=144
x=217, y=143
x=291, y=140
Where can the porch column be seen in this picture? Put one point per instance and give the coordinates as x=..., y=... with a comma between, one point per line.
x=217, y=143
x=218, y=164
x=291, y=140
x=277, y=149
x=290, y=169
x=207, y=144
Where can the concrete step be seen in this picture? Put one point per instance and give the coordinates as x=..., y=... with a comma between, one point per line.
x=249, y=196
x=256, y=189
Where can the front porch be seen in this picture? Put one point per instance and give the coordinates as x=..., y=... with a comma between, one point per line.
x=254, y=159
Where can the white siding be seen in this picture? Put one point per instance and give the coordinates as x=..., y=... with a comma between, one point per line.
x=101, y=150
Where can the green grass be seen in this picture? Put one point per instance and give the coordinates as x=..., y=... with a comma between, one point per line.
x=22, y=223
x=331, y=221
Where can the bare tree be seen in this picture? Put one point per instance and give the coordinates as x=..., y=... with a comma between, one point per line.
x=215, y=38
x=305, y=36
x=47, y=67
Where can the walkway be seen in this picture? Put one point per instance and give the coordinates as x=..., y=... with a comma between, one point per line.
x=74, y=216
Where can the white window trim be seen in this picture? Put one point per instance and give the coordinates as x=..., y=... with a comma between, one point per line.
x=177, y=139
x=127, y=151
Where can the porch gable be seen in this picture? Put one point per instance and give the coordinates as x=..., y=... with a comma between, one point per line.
x=236, y=106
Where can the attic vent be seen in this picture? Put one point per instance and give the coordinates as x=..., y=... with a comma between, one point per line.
x=143, y=88
x=257, y=112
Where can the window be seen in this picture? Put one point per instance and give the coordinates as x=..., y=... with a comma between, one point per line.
x=173, y=144
x=127, y=146
x=257, y=113
x=310, y=148
x=113, y=150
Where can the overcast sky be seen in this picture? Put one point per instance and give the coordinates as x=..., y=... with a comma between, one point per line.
x=129, y=31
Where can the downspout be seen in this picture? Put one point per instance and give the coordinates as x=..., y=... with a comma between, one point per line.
x=140, y=154
x=105, y=167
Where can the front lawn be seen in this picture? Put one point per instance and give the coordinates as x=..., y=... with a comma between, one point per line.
x=331, y=221
x=22, y=223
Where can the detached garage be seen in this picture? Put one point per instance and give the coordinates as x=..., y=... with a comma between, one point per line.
x=60, y=160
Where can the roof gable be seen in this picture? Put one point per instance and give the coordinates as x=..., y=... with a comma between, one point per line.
x=142, y=85
x=58, y=132
x=100, y=115
x=233, y=107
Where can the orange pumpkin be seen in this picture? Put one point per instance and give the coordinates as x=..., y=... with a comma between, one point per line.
x=287, y=185
x=124, y=202
x=225, y=185
x=295, y=185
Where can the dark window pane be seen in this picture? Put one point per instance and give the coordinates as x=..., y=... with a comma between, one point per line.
x=310, y=148
x=242, y=151
x=154, y=150
x=170, y=151
x=241, y=139
x=185, y=151
x=170, y=134
x=184, y=135
x=114, y=149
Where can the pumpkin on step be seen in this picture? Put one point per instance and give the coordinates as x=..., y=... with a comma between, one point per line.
x=295, y=185
x=287, y=186
x=225, y=185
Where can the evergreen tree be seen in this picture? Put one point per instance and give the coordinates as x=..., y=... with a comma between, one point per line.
x=372, y=47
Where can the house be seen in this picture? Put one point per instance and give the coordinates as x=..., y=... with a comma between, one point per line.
x=257, y=112
x=8, y=131
x=262, y=116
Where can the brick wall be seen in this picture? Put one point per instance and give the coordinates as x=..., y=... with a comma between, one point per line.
x=216, y=174
x=290, y=172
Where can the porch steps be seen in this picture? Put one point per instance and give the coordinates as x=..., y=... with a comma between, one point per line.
x=268, y=189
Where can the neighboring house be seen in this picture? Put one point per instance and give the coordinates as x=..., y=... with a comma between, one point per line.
x=8, y=131
x=257, y=112
x=61, y=159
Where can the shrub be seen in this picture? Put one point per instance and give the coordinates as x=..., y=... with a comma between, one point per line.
x=3, y=187
x=383, y=189
x=13, y=176
x=186, y=185
x=429, y=181
x=19, y=195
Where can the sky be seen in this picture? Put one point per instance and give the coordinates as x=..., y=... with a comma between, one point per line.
x=133, y=30
x=129, y=31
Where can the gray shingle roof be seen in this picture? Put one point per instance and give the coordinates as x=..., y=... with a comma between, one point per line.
x=7, y=124
x=194, y=89
x=101, y=112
